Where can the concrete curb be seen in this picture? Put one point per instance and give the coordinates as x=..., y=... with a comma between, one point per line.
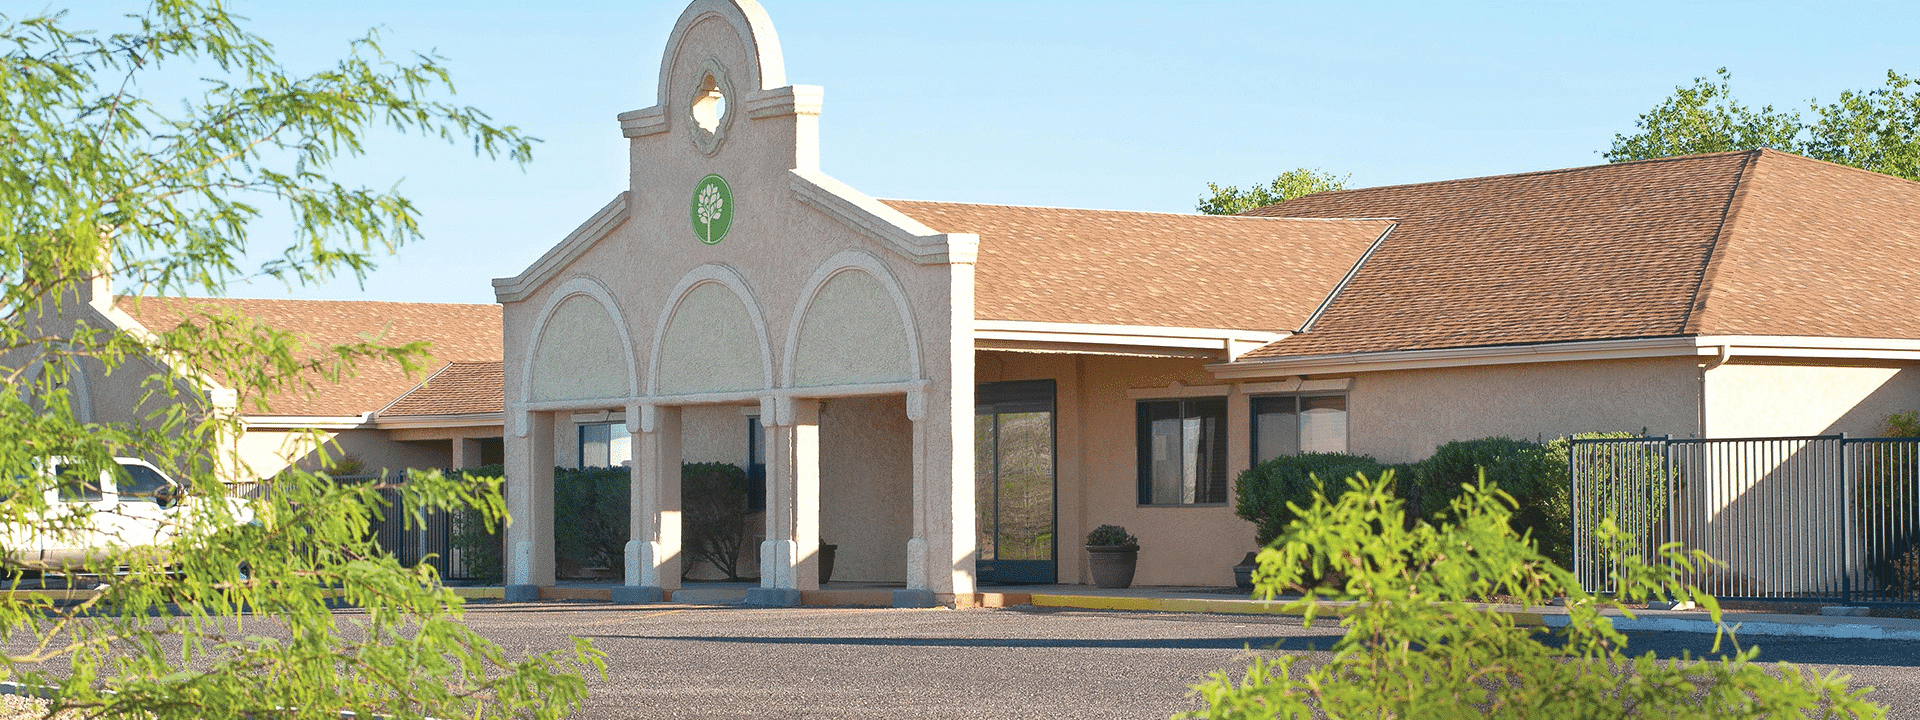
x=1863, y=628
x=1742, y=624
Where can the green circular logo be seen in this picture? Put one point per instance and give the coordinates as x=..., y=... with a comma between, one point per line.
x=712, y=209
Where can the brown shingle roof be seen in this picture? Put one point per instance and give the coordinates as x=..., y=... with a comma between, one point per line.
x=1814, y=248
x=1763, y=242
x=462, y=388
x=1158, y=269
x=457, y=333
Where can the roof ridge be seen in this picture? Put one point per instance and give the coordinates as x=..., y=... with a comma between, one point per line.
x=1716, y=252
x=1334, y=294
x=1787, y=156
x=1196, y=215
x=1529, y=173
x=411, y=390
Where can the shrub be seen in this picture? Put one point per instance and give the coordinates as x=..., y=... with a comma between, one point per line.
x=1533, y=473
x=1416, y=639
x=1261, y=494
x=1903, y=425
x=1112, y=535
x=713, y=515
x=590, y=516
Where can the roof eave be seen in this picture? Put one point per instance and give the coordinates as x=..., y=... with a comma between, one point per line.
x=362, y=421
x=410, y=422
x=1721, y=346
x=1131, y=340
x=518, y=287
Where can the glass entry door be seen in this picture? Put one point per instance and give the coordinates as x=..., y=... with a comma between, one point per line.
x=1013, y=481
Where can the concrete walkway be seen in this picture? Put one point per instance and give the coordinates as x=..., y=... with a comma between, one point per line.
x=1229, y=601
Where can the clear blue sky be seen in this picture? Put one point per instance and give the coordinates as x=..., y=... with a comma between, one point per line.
x=1124, y=105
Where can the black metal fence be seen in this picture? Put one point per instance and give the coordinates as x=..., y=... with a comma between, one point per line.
x=430, y=541
x=1821, y=518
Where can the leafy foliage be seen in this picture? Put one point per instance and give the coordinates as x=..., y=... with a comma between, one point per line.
x=1876, y=130
x=592, y=531
x=1266, y=494
x=1418, y=642
x=1535, y=475
x=1903, y=425
x=99, y=180
x=1113, y=536
x=1298, y=182
x=713, y=515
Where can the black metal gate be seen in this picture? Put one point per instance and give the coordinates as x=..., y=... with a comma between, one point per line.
x=1818, y=518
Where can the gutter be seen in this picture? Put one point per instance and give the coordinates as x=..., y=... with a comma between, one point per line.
x=403, y=422
x=1720, y=348
x=362, y=421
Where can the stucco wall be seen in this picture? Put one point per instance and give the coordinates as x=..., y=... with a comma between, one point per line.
x=710, y=344
x=1402, y=416
x=866, y=486
x=1395, y=416
x=267, y=452
x=1097, y=473
x=580, y=353
x=714, y=433
x=1762, y=400
x=851, y=333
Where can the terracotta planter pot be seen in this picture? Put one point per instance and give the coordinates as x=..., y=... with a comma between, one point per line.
x=1112, y=565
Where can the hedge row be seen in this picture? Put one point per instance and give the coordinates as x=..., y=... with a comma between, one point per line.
x=591, y=513
x=1534, y=473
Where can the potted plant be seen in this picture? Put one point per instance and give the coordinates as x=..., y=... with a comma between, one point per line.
x=1243, y=573
x=1111, y=555
x=826, y=561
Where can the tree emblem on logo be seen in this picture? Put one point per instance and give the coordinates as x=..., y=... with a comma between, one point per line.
x=712, y=209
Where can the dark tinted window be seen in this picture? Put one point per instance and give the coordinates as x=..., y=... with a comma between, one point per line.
x=1182, y=446
x=78, y=486
x=140, y=483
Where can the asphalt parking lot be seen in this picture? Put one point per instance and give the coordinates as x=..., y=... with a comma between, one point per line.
x=668, y=661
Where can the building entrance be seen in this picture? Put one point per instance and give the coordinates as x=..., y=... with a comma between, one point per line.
x=1013, y=436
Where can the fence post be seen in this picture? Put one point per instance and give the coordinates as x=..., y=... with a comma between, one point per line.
x=1847, y=469
x=1574, y=502
x=1666, y=485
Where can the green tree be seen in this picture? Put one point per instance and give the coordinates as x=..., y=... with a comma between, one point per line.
x=1876, y=130
x=236, y=615
x=1298, y=182
x=1418, y=642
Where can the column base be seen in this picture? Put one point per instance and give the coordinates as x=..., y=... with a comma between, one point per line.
x=913, y=598
x=638, y=595
x=523, y=593
x=773, y=597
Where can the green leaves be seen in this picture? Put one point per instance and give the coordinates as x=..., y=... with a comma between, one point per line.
x=1876, y=130
x=263, y=601
x=1298, y=182
x=1420, y=641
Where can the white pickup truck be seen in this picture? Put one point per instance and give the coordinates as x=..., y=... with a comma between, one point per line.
x=138, y=507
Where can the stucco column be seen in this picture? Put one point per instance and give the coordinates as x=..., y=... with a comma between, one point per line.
x=920, y=582
x=653, y=549
x=789, y=558
x=466, y=453
x=529, y=490
x=953, y=546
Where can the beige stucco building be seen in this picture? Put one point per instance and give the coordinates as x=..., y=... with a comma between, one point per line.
x=379, y=418
x=955, y=394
